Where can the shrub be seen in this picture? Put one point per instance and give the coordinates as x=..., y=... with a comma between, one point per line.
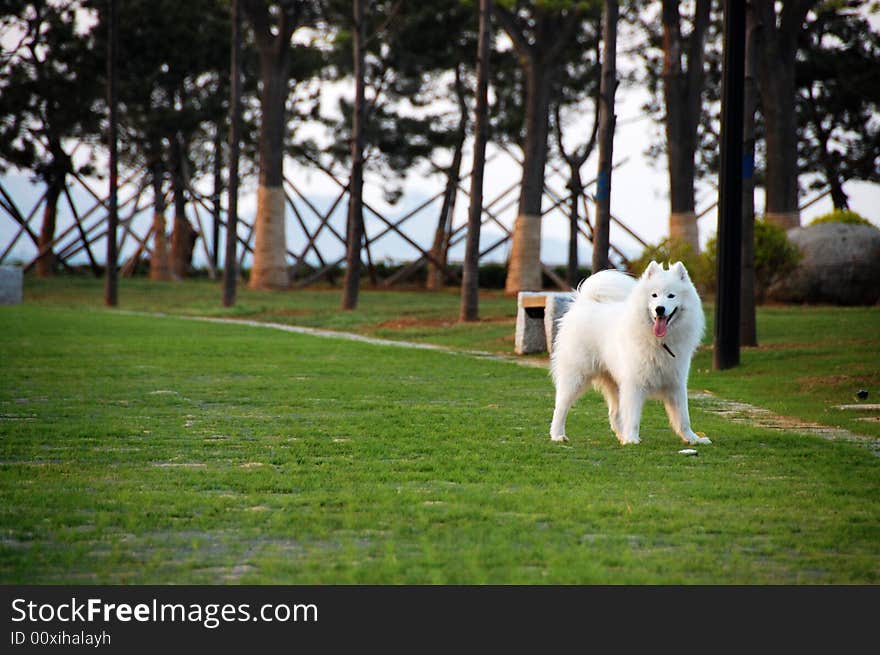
x=492, y=275
x=775, y=257
x=842, y=216
x=670, y=251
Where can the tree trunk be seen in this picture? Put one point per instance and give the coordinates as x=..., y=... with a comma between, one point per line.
x=838, y=196
x=216, y=192
x=575, y=161
x=269, y=268
x=826, y=160
x=230, y=261
x=183, y=236
x=159, y=264
x=682, y=91
x=439, y=250
x=781, y=175
x=524, y=272
x=46, y=263
x=56, y=179
x=355, y=232
x=748, y=334
x=470, y=298
x=607, y=119
x=776, y=85
x=576, y=189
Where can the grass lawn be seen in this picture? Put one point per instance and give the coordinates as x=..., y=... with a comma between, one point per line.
x=137, y=449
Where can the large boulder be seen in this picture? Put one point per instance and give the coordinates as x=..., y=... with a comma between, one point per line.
x=840, y=265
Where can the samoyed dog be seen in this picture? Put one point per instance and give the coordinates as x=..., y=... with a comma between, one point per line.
x=631, y=339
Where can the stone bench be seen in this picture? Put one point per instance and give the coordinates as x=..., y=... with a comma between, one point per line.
x=11, y=284
x=537, y=313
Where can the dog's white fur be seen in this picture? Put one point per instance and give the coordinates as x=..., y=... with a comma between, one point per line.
x=608, y=337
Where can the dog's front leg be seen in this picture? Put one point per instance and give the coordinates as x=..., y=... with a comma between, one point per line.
x=676, y=402
x=632, y=399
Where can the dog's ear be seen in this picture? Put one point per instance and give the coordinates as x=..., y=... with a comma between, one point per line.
x=652, y=270
x=679, y=269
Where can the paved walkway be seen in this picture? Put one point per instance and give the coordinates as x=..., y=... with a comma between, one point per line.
x=733, y=410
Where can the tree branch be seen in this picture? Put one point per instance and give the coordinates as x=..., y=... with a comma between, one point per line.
x=794, y=13
x=508, y=21
x=569, y=24
x=258, y=16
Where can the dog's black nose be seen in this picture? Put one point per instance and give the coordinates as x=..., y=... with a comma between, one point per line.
x=661, y=310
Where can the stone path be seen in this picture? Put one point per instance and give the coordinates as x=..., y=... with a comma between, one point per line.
x=739, y=412
x=733, y=410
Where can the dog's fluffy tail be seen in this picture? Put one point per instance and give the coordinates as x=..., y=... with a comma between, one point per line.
x=606, y=286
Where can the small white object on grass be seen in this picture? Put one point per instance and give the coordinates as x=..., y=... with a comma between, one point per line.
x=687, y=451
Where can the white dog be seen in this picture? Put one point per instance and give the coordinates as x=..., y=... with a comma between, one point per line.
x=632, y=339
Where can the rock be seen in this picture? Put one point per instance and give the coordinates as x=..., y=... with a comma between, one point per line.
x=11, y=282
x=840, y=265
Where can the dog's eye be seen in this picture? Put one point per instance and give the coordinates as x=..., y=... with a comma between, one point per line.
x=671, y=295
x=653, y=295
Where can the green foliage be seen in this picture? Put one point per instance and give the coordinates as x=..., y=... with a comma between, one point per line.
x=419, y=56
x=669, y=251
x=775, y=256
x=49, y=87
x=842, y=216
x=176, y=93
x=838, y=99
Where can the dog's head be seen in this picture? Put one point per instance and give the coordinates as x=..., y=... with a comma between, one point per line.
x=668, y=291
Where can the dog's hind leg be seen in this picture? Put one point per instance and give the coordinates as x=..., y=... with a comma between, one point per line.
x=568, y=390
x=676, y=403
x=608, y=387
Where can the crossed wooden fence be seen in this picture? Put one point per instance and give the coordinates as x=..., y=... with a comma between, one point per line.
x=86, y=225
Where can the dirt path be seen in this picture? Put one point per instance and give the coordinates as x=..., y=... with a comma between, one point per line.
x=733, y=410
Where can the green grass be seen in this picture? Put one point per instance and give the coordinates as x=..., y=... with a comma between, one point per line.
x=810, y=361
x=407, y=314
x=137, y=449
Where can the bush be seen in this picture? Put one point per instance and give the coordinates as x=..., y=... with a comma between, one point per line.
x=701, y=271
x=842, y=216
x=775, y=257
x=492, y=275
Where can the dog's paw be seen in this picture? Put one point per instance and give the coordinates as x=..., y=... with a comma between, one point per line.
x=558, y=438
x=624, y=441
x=696, y=439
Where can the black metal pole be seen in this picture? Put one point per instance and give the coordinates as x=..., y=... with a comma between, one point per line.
x=111, y=286
x=230, y=267
x=727, y=300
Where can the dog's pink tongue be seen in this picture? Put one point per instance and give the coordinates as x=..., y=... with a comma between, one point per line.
x=660, y=326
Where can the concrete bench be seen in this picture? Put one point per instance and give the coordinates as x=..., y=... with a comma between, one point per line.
x=537, y=313
x=11, y=281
